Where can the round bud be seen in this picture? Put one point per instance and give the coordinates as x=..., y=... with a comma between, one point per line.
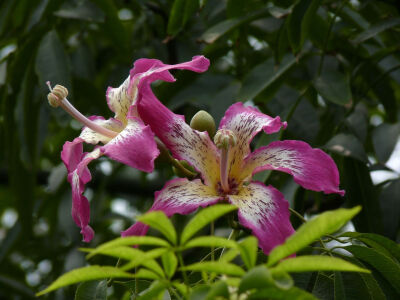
x=225, y=138
x=203, y=121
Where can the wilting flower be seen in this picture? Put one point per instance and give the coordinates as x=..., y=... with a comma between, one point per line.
x=227, y=166
x=125, y=137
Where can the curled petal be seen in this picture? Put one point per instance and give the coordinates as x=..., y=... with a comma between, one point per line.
x=134, y=146
x=78, y=175
x=312, y=168
x=263, y=210
x=92, y=137
x=184, y=142
x=146, y=71
x=179, y=196
x=245, y=123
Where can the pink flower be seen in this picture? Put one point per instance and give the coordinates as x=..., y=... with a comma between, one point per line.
x=124, y=138
x=227, y=166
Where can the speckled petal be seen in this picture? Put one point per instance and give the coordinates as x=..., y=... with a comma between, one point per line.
x=264, y=210
x=311, y=168
x=146, y=71
x=134, y=146
x=184, y=142
x=92, y=137
x=78, y=175
x=246, y=122
x=179, y=196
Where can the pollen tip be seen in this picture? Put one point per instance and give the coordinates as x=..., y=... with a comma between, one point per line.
x=225, y=138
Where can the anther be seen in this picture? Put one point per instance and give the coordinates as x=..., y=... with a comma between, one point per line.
x=56, y=95
x=225, y=138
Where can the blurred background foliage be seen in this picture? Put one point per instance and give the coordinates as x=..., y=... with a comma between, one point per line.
x=329, y=68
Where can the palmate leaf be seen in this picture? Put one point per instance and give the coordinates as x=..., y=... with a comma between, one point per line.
x=210, y=241
x=275, y=293
x=325, y=223
x=85, y=274
x=310, y=263
x=216, y=267
x=130, y=241
x=204, y=217
x=158, y=220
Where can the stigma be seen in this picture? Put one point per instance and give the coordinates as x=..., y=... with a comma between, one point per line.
x=58, y=97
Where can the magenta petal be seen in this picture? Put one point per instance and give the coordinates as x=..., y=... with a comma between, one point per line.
x=78, y=175
x=312, y=168
x=150, y=70
x=134, y=146
x=245, y=123
x=264, y=210
x=178, y=196
x=184, y=142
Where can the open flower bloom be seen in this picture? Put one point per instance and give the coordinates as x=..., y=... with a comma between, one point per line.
x=125, y=137
x=227, y=166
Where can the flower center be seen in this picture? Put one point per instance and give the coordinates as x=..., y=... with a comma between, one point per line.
x=225, y=139
x=58, y=97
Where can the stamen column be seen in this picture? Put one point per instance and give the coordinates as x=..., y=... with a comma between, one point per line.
x=58, y=97
x=225, y=139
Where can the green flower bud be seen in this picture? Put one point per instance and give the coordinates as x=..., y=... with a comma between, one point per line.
x=203, y=121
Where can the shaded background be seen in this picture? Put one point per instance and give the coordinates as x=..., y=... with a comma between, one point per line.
x=329, y=68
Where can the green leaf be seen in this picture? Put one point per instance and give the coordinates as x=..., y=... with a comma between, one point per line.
x=376, y=29
x=210, y=241
x=282, y=279
x=347, y=145
x=146, y=274
x=222, y=28
x=181, y=12
x=130, y=241
x=274, y=293
x=248, y=251
x=384, y=138
x=86, y=11
x=382, y=263
x=334, y=86
x=52, y=62
x=158, y=220
x=175, y=20
x=85, y=274
x=310, y=263
x=216, y=267
x=378, y=242
x=147, y=260
x=170, y=262
x=136, y=257
x=219, y=290
x=204, y=217
x=154, y=291
x=325, y=223
x=390, y=207
x=299, y=22
x=339, y=287
x=356, y=181
x=264, y=75
x=256, y=278
x=92, y=290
